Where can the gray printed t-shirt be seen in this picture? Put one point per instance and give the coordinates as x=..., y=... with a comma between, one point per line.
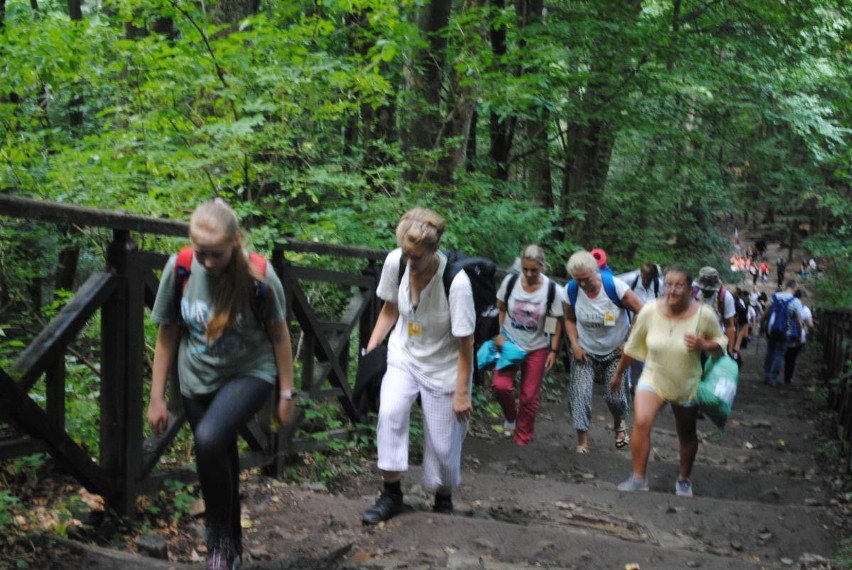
x=243, y=350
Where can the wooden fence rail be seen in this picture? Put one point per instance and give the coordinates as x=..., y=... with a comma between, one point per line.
x=126, y=465
x=835, y=332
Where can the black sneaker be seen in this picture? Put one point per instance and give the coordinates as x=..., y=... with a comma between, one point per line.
x=443, y=504
x=386, y=507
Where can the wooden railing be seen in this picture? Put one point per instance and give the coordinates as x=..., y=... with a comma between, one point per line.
x=835, y=332
x=127, y=463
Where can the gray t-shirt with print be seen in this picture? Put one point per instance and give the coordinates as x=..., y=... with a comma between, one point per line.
x=244, y=349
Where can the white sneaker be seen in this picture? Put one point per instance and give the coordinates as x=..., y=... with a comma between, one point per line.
x=683, y=488
x=509, y=429
x=633, y=483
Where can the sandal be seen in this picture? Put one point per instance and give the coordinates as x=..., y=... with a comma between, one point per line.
x=621, y=437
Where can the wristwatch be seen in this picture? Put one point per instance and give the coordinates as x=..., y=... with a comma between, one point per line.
x=287, y=394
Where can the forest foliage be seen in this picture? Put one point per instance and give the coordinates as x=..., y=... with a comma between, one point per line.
x=627, y=125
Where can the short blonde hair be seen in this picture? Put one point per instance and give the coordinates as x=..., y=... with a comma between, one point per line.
x=420, y=226
x=582, y=260
x=535, y=253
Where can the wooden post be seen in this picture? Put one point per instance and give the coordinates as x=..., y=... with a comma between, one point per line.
x=122, y=348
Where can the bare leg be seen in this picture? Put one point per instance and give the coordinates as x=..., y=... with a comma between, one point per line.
x=686, y=419
x=646, y=405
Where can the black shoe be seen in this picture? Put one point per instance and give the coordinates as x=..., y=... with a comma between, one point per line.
x=386, y=507
x=443, y=504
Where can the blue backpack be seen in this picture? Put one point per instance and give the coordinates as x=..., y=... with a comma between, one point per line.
x=779, y=325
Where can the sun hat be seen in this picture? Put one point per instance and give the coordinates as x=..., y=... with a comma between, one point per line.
x=708, y=279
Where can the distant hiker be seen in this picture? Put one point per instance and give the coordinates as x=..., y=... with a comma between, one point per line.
x=709, y=290
x=782, y=322
x=754, y=272
x=648, y=285
x=780, y=267
x=743, y=330
x=596, y=305
x=669, y=336
x=531, y=319
x=228, y=362
x=430, y=355
x=796, y=346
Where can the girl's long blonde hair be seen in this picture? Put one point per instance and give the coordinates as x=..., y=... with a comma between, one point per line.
x=215, y=221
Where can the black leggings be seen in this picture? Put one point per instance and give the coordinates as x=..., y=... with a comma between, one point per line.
x=215, y=420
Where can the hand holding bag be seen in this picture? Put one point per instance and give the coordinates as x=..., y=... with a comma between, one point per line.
x=718, y=387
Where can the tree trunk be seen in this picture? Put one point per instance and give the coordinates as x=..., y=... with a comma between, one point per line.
x=68, y=260
x=591, y=136
x=421, y=133
x=539, y=175
x=501, y=128
x=75, y=10
x=461, y=107
x=233, y=11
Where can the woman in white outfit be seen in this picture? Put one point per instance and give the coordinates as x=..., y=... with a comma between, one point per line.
x=430, y=354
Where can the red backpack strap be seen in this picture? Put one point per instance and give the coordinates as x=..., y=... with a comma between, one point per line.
x=260, y=289
x=183, y=266
x=259, y=262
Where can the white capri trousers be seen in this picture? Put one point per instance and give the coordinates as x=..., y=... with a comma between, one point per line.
x=443, y=434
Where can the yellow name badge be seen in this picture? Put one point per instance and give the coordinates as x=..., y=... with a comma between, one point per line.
x=414, y=328
x=609, y=319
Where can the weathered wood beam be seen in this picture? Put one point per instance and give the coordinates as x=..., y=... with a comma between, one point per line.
x=51, y=342
x=33, y=420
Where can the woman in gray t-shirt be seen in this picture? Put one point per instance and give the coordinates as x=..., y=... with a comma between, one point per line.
x=231, y=352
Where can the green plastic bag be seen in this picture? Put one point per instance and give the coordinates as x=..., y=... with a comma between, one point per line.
x=718, y=386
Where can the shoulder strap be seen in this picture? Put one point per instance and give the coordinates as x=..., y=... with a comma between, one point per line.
x=259, y=262
x=449, y=274
x=656, y=287
x=609, y=288
x=257, y=297
x=510, y=286
x=635, y=282
x=721, y=301
x=571, y=289
x=183, y=267
x=551, y=294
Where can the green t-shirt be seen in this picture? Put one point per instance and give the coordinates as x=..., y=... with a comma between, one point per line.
x=243, y=349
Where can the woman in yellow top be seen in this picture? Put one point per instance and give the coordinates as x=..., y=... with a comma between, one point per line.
x=669, y=335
